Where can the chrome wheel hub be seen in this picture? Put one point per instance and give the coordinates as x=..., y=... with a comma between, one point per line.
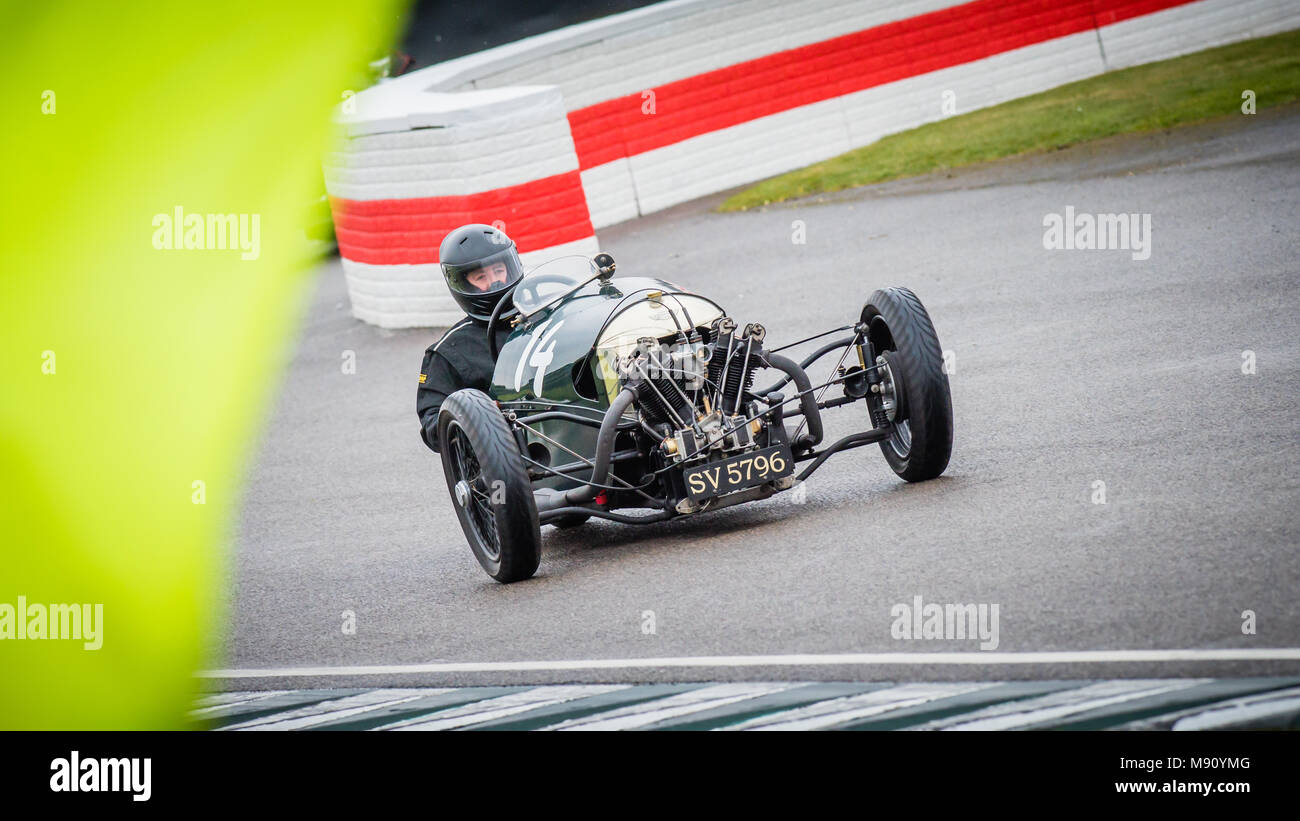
x=888, y=397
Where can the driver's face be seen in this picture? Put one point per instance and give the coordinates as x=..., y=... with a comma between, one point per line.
x=483, y=279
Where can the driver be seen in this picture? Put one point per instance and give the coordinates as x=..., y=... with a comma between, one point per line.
x=482, y=268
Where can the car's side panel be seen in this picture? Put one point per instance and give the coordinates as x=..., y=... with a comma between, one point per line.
x=539, y=362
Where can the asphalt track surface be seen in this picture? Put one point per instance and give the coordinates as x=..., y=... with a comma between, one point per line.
x=1070, y=367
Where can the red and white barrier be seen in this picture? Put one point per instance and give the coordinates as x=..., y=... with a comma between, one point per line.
x=415, y=166
x=643, y=110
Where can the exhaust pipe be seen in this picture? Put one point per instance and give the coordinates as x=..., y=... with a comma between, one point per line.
x=807, y=401
x=551, y=499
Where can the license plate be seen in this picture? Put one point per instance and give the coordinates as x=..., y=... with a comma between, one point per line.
x=738, y=472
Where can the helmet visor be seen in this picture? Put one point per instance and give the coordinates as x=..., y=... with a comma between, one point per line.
x=490, y=274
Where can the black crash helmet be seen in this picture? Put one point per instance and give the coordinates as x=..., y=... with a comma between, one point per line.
x=482, y=267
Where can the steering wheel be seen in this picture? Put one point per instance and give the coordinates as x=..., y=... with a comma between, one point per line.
x=529, y=284
x=493, y=321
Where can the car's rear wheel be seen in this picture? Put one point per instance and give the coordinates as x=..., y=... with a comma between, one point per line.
x=489, y=486
x=914, y=397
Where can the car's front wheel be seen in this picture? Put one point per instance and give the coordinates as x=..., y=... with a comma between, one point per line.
x=913, y=397
x=489, y=486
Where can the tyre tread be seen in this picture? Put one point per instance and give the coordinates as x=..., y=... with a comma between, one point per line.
x=517, y=523
x=927, y=395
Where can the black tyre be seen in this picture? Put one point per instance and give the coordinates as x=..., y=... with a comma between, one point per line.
x=489, y=486
x=570, y=520
x=915, y=395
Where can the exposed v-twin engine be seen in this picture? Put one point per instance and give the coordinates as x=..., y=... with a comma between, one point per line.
x=692, y=393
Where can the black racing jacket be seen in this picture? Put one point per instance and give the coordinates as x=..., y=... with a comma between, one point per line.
x=459, y=359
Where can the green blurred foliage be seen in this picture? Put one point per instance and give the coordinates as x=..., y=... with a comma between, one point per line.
x=164, y=360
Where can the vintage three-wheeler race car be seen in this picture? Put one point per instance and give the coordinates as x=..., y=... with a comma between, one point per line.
x=611, y=395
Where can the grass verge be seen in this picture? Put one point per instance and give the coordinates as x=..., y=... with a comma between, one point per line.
x=1198, y=87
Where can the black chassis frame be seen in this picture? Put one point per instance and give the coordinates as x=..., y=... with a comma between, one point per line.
x=857, y=381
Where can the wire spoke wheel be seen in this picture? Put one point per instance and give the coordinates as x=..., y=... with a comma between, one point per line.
x=489, y=486
x=466, y=468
